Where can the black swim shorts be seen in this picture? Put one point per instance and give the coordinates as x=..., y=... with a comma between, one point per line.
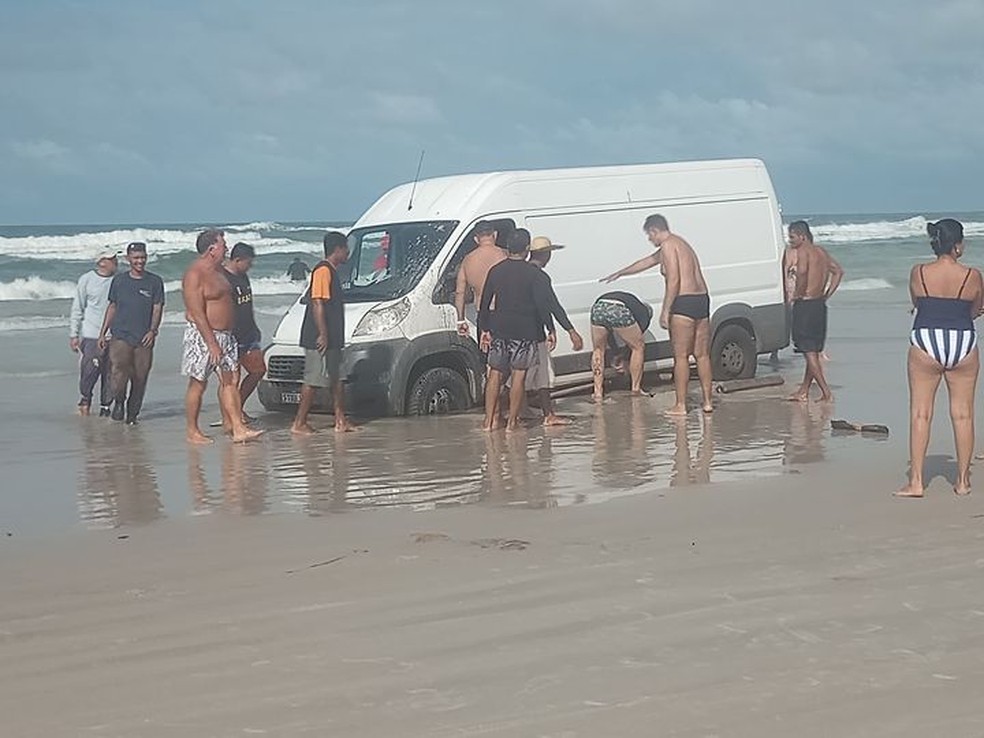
x=697, y=307
x=809, y=326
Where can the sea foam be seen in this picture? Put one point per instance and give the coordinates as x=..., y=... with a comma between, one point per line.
x=160, y=242
x=882, y=230
x=38, y=288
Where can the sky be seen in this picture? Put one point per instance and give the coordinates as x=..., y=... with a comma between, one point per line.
x=185, y=111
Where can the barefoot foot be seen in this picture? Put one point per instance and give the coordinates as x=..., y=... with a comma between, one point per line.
x=303, y=430
x=962, y=488
x=798, y=397
x=198, y=439
x=554, y=420
x=910, y=490
x=676, y=411
x=246, y=435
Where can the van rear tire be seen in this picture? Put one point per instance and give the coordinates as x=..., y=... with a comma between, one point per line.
x=439, y=391
x=733, y=354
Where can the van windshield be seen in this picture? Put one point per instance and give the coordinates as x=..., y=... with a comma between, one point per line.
x=386, y=262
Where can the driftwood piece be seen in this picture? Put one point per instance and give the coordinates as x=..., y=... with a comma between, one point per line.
x=740, y=385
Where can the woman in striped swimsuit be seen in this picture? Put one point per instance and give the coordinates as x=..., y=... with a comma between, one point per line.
x=943, y=345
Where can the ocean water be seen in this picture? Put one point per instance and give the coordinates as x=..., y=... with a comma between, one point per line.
x=39, y=265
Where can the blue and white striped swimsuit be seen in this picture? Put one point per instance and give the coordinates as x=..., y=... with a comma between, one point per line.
x=944, y=327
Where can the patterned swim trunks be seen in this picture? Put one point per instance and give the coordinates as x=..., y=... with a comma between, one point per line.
x=195, y=361
x=505, y=355
x=611, y=314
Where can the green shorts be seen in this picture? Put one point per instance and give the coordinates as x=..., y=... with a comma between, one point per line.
x=322, y=370
x=611, y=314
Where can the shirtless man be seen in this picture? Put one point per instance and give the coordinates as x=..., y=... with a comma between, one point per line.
x=686, y=309
x=209, y=344
x=474, y=270
x=811, y=276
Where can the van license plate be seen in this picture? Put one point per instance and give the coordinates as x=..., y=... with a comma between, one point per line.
x=290, y=398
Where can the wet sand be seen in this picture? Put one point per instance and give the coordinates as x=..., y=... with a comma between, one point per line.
x=810, y=604
x=747, y=575
x=94, y=473
x=63, y=473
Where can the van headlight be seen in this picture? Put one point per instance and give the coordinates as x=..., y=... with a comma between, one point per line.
x=381, y=319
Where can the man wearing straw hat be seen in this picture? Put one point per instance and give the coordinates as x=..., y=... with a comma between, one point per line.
x=541, y=377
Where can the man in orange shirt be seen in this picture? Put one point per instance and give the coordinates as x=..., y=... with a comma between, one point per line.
x=323, y=335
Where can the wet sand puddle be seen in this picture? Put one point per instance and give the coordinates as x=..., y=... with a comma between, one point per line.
x=625, y=446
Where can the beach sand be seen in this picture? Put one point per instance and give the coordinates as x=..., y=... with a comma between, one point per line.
x=747, y=576
x=810, y=604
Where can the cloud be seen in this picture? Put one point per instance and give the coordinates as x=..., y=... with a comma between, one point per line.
x=315, y=106
x=41, y=150
x=395, y=107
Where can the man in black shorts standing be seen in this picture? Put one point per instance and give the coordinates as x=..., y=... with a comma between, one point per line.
x=511, y=332
x=686, y=308
x=812, y=276
x=245, y=330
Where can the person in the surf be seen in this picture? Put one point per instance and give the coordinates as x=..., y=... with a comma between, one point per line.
x=298, y=271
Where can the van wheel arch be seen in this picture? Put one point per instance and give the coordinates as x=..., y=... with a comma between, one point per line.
x=438, y=384
x=734, y=351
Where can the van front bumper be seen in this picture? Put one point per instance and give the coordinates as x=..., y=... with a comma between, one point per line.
x=367, y=373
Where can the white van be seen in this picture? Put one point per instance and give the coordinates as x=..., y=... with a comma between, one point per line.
x=403, y=355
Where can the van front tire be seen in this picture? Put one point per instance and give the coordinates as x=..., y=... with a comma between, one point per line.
x=438, y=391
x=733, y=354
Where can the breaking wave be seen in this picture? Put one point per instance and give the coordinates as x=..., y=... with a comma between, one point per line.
x=881, y=230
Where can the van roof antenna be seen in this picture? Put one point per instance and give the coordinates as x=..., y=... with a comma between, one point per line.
x=416, y=178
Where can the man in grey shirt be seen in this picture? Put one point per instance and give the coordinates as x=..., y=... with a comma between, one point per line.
x=85, y=323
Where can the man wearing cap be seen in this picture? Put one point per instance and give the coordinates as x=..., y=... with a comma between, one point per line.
x=540, y=377
x=474, y=270
x=85, y=322
x=136, y=306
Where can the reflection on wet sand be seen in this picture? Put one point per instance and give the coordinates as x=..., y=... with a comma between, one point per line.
x=623, y=446
x=686, y=468
x=244, y=480
x=117, y=482
x=518, y=469
x=808, y=423
x=621, y=459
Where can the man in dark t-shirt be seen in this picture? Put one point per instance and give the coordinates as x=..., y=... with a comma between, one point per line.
x=511, y=331
x=245, y=330
x=136, y=305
